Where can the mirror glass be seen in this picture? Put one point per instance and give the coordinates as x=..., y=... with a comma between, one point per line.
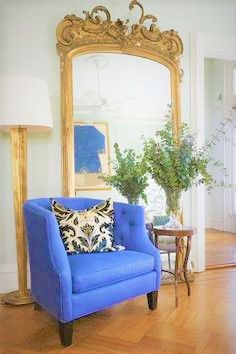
x=116, y=98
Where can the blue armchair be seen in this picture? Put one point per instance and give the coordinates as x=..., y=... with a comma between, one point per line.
x=69, y=287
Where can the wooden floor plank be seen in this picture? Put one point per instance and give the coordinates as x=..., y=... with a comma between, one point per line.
x=152, y=345
x=203, y=323
x=220, y=247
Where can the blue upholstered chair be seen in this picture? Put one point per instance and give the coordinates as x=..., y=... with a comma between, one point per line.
x=69, y=287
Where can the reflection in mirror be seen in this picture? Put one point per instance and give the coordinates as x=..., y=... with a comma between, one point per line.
x=116, y=98
x=130, y=93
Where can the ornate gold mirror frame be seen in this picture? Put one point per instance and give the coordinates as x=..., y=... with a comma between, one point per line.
x=98, y=33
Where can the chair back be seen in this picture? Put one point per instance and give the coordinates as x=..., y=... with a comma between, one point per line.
x=125, y=215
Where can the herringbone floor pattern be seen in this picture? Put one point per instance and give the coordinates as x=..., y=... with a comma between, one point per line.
x=220, y=247
x=203, y=323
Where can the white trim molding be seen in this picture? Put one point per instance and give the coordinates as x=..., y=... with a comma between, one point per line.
x=214, y=223
x=203, y=45
x=9, y=279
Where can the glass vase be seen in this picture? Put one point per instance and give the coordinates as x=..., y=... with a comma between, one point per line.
x=173, y=208
x=133, y=200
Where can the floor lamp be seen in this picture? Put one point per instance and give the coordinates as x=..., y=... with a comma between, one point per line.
x=24, y=106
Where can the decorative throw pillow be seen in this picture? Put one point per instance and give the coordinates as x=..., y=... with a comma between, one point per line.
x=86, y=231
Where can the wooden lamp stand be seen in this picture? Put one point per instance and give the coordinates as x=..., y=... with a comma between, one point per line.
x=19, y=175
x=24, y=107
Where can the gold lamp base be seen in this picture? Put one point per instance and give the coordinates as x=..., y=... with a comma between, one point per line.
x=15, y=298
x=19, y=162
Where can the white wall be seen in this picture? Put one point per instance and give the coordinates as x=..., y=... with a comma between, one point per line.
x=214, y=114
x=218, y=82
x=28, y=48
x=230, y=151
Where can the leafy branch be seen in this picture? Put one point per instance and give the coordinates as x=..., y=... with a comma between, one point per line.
x=215, y=138
x=130, y=175
x=175, y=163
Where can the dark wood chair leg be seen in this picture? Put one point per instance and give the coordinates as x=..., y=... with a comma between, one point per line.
x=66, y=332
x=152, y=300
x=37, y=307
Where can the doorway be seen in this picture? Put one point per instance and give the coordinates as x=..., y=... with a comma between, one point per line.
x=203, y=45
x=220, y=206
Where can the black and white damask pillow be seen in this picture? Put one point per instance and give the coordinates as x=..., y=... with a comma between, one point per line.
x=86, y=231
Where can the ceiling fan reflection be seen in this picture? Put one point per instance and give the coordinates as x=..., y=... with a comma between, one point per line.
x=93, y=101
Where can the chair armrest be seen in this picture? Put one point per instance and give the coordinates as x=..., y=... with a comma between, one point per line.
x=50, y=271
x=139, y=241
x=131, y=232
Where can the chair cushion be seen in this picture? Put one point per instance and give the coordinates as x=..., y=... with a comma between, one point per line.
x=94, y=270
x=89, y=230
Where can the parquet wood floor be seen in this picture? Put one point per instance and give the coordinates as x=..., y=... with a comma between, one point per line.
x=203, y=323
x=220, y=247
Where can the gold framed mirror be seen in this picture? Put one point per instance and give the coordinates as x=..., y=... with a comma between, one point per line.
x=85, y=45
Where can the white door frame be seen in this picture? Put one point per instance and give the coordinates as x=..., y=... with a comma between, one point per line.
x=213, y=46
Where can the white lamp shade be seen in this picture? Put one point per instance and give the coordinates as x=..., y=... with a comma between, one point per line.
x=24, y=102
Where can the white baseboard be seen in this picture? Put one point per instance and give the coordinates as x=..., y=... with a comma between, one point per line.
x=214, y=223
x=9, y=279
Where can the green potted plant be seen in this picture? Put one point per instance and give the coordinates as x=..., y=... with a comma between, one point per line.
x=175, y=163
x=129, y=175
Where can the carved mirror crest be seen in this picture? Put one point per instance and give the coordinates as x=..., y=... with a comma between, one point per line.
x=115, y=81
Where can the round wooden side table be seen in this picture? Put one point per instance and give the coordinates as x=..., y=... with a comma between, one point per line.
x=179, y=234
